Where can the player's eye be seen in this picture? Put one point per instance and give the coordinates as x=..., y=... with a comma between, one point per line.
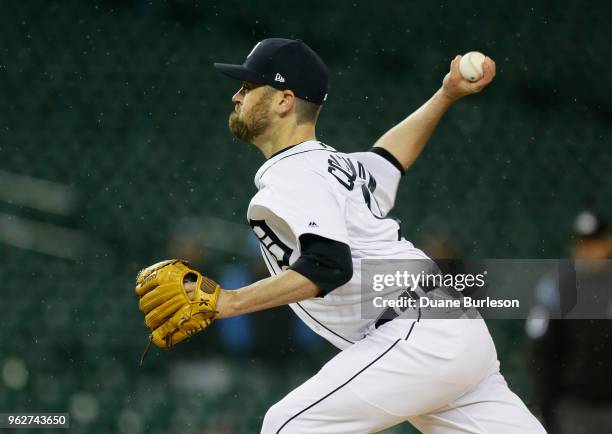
x=246, y=86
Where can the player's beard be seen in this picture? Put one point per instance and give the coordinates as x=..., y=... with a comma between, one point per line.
x=252, y=124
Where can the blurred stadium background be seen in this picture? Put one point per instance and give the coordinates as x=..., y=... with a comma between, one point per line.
x=114, y=153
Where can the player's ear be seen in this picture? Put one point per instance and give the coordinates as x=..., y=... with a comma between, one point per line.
x=286, y=103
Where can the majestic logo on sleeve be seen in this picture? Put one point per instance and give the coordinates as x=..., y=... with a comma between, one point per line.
x=271, y=243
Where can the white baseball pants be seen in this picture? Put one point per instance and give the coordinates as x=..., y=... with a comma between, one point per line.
x=441, y=375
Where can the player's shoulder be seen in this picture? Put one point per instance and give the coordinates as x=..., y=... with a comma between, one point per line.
x=305, y=160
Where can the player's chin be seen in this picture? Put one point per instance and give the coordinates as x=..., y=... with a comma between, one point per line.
x=238, y=128
x=233, y=117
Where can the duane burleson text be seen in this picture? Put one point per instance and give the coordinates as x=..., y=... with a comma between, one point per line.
x=463, y=302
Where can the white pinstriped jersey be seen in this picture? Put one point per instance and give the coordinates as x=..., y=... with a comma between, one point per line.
x=312, y=188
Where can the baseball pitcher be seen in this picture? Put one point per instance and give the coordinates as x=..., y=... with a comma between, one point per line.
x=318, y=213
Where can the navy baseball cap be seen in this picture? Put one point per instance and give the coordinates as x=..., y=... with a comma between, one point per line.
x=283, y=64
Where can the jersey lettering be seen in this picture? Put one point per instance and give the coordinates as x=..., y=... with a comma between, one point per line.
x=344, y=171
x=271, y=242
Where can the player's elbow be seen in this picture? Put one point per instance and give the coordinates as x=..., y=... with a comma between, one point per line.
x=328, y=263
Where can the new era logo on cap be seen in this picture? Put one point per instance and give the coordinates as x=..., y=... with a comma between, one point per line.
x=279, y=78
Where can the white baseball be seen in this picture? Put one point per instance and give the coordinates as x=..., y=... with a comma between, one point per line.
x=470, y=66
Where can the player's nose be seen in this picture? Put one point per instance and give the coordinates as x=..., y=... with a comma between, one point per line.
x=237, y=96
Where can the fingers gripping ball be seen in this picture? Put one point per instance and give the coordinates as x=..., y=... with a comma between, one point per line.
x=169, y=311
x=470, y=66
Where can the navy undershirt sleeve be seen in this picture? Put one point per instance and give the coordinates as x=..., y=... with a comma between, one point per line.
x=328, y=263
x=389, y=157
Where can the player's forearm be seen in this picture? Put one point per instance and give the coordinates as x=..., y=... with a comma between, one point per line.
x=285, y=288
x=406, y=140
